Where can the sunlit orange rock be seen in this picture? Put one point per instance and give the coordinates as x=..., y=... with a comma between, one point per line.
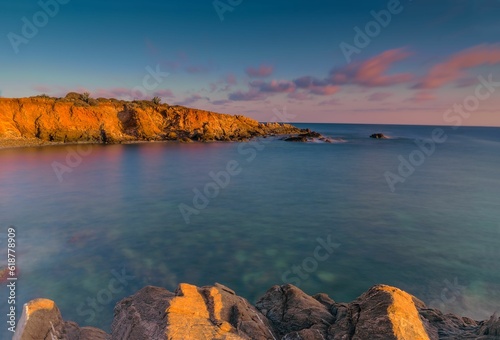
x=71, y=119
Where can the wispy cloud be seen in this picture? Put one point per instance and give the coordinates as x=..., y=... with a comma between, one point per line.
x=253, y=94
x=192, y=99
x=454, y=68
x=299, y=96
x=196, y=69
x=260, y=72
x=231, y=79
x=127, y=94
x=372, y=72
x=379, y=96
x=274, y=86
x=221, y=102
x=326, y=90
x=422, y=96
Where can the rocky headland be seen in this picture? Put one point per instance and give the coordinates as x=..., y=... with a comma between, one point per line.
x=284, y=312
x=77, y=118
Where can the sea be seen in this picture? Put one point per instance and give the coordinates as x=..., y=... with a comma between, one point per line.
x=419, y=210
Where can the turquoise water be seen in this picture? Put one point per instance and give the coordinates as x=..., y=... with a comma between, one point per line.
x=117, y=213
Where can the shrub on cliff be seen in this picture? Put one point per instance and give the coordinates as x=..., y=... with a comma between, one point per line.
x=156, y=100
x=73, y=96
x=85, y=96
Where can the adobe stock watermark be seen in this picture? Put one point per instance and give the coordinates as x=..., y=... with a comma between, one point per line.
x=30, y=28
x=222, y=7
x=74, y=158
x=150, y=82
x=221, y=179
x=448, y=295
x=322, y=252
x=371, y=30
x=92, y=306
x=426, y=148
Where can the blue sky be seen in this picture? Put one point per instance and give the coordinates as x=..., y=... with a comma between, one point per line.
x=263, y=55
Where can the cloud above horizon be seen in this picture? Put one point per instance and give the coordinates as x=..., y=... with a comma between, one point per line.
x=376, y=81
x=454, y=67
x=260, y=72
x=372, y=72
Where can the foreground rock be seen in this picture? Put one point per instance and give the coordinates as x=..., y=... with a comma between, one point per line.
x=43, y=120
x=284, y=312
x=41, y=319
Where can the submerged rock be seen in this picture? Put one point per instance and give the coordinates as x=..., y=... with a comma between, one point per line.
x=284, y=312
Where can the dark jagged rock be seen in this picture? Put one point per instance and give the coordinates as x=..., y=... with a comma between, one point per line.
x=306, y=136
x=295, y=139
x=378, y=136
x=284, y=312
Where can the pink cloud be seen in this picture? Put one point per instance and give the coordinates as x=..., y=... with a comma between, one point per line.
x=192, y=99
x=299, y=96
x=422, y=96
x=221, y=102
x=118, y=92
x=379, y=96
x=195, y=69
x=213, y=87
x=329, y=102
x=276, y=86
x=372, y=72
x=231, y=79
x=308, y=82
x=124, y=93
x=454, y=67
x=365, y=74
x=261, y=71
x=42, y=88
x=253, y=94
x=326, y=90
x=164, y=94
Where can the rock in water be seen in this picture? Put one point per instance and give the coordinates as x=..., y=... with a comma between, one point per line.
x=378, y=136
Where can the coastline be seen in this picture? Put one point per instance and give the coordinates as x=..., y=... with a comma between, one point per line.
x=45, y=121
x=12, y=144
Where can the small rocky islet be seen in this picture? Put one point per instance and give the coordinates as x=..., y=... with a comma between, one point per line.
x=378, y=136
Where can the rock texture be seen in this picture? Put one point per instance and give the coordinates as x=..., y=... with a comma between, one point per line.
x=42, y=119
x=41, y=319
x=284, y=312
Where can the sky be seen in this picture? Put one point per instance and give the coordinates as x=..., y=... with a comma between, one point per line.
x=384, y=62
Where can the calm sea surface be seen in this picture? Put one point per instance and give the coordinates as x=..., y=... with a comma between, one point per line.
x=89, y=237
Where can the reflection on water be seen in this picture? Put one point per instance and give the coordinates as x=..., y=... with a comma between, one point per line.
x=114, y=221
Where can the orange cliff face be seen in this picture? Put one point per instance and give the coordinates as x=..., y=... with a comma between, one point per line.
x=72, y=119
